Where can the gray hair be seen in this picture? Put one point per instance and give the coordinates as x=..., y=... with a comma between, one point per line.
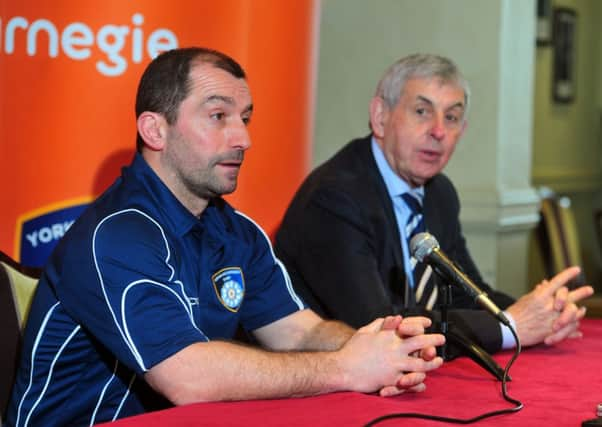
x=419, y=66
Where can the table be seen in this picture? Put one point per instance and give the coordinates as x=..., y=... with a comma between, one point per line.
x=559, y=386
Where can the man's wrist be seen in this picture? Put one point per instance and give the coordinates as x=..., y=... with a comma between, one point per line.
x=508, y=340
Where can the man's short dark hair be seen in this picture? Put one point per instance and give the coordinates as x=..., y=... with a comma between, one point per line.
x=165, y=82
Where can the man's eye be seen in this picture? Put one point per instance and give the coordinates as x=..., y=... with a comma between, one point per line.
x=451, y=118
x=218, y=116
x=246, y=120
x=420, y=111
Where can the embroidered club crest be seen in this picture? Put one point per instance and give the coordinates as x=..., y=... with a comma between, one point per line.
x=229, y=285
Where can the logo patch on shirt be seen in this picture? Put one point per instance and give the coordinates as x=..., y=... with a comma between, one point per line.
x=229, y=285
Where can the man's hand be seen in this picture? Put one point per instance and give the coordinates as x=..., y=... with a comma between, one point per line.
x=381, y=356
x=570, y=313
x=549, y=314
x=409, y=327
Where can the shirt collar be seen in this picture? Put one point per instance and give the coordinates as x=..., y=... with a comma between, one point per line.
x=181, y=220
x=396, y=186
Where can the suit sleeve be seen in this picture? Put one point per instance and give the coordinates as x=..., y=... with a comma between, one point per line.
x=330, y=253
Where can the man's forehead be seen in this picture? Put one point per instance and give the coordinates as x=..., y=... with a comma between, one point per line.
x=435, y=90
x=214, y=84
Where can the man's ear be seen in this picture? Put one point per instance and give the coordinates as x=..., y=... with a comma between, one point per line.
x=379, y=114
x=464, y=126
x=152, y=127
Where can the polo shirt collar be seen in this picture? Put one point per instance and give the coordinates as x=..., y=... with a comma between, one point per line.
x=179, y=218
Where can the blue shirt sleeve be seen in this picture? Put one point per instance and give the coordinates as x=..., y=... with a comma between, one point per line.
x=270, y=295
x=131, y=302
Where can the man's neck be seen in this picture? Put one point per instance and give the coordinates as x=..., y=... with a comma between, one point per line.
x=191, y=201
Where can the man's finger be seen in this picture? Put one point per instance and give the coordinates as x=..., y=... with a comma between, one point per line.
x=374, y=326
x=561, y=279
x=561, y=298
x=581, y=313
x=561, y=334
x=410, y=329
x=568, y=315
x=417, y=364
x=411, y=379
x=428, y=353
x=391, y=322
x=417, y=388
x=421, y=320
x=419, y=342
x=580, y=293
x=390, y=391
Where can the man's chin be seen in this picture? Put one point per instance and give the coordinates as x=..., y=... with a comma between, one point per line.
x=426, y=174
x=226, y=189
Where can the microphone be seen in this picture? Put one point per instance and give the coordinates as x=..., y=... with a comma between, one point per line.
x=425, y=248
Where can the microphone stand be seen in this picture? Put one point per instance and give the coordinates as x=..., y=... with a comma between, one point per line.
x=469, y=347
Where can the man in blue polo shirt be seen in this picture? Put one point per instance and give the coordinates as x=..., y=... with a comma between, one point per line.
x=141, y=297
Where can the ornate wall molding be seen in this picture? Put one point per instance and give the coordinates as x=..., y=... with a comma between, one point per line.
x=505, y=211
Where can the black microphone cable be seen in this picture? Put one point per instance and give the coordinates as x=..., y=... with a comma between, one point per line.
x=517, y=404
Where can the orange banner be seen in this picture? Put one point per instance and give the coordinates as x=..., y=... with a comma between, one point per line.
x=68, y=76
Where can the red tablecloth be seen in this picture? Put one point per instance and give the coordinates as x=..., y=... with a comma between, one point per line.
x=559, y=386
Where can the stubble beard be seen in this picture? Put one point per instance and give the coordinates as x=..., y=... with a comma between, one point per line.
x=207, y=183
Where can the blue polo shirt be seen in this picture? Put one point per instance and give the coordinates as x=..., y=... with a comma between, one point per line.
x=135, y=280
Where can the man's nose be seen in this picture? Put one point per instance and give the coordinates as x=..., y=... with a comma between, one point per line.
x=239, y=137
x=438, y=128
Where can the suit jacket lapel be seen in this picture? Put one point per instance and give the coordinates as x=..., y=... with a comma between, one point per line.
x=385, y=209
x=432, y=212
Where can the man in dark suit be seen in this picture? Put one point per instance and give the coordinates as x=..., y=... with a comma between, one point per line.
x=344, y=238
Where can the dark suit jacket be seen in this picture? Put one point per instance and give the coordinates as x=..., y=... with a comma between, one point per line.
x=340, y=243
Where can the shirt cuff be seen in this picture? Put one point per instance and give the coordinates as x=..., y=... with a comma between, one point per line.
x=508, y=340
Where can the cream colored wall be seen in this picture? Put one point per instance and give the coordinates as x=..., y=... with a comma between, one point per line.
x=493, y=43
x=359, y=39
x=567, y=146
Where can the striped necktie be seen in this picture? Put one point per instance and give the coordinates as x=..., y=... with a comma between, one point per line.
x=415, y=222
x=424, y=289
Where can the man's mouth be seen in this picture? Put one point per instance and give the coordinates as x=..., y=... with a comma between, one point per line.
x=232, y=160
x=230, y=167
x=430, y=155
